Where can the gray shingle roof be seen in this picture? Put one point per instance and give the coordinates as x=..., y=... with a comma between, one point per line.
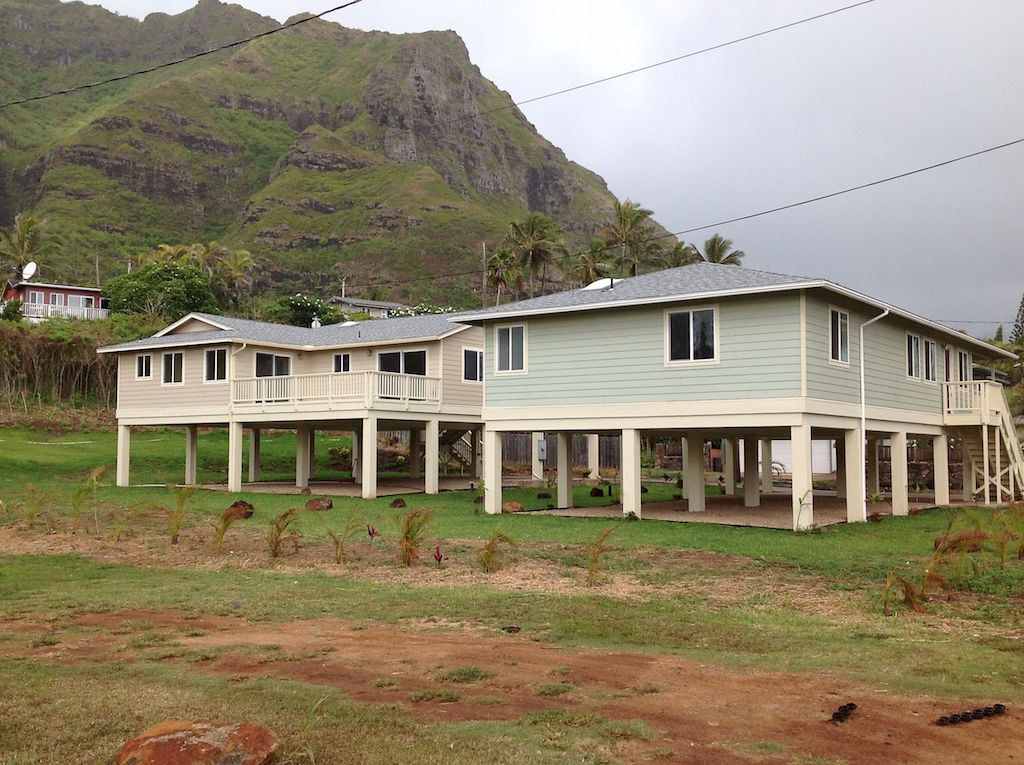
x=426, y=327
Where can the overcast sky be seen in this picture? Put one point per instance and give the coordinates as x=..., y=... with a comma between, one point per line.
x=877, y=90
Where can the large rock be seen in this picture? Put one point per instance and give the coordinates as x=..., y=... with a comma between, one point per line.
x=319, y=503
x=239, y=510
x=200, y=742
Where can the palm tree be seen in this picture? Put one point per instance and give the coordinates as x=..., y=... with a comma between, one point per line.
x=233, y=269
x=633, y=232
x=168, y=253
x=717, y=249
x=534, y=242
x=590, y=265
x=27, y=240
x=681, y=254
x=503, y=270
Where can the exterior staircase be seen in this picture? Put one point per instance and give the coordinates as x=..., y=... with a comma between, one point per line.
x=994, y=470
x=459, y=444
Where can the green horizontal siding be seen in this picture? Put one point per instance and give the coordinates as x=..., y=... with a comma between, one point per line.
x=618, y=356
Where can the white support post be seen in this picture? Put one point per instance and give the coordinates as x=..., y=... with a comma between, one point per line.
x=751, y=475
x=492, y=472
x=999, y=466
x=301, y=457
x=191, y=445
x=415, y=455
x=234, y=456
x=254, y=455
x=728, y=472
x=767, y=476
x=695, y=472
x=803, y=480
x=594, y=456
x=873, y=486
x=986, y=468
x=684, y=456
x=630, y=458
x=369, y=457
x=537, y=468
x=843, y=474
x=940, y=468
x=357, y=457
x=564, y=470
x=431, y=456
x=476, y=434
x=124, y=450
x=967, y=475
x=312, y=452
x=898, y=467
x=854, y=490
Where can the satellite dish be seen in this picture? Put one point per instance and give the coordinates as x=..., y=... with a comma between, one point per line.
x=28, y=271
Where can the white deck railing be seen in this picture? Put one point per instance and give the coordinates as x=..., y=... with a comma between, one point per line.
x=337, y=388
x=43, y=311
x=974, y=397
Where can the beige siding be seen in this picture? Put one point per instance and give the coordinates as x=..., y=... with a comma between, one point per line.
x=458, y=392
x=153, y=398
x=193, y=325
x=362, y=359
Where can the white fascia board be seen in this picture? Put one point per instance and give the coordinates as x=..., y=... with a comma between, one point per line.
x=170, y=343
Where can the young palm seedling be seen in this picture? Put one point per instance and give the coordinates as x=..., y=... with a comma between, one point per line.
x=278, y=535
x=491, y=557
x=340, y=539
x=596, y=552
x=412, y=530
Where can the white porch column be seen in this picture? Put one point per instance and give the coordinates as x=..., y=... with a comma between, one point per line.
x=843, y=474
x=630, y=459
x=302, y=456
x=415, y=458
x=564, y=470
x=898, y=463
x=234, y=456
x=476, y=453
x=369, y=457
x=312, y=452
x=191, y=444
x=254, y=455
x=728, y=472
x=767, y=476
x=594, y=456
x=492, y=472
x=695, y=472
x=684, y=452
x=537, y=468
x=357, y=457
x=803, y=482
x=124, y=450
x=967, y=474
x=873, y=486
x=940, y=468
x=986, y=480
x=431, y=456
x=852, y=468
x=751, y=475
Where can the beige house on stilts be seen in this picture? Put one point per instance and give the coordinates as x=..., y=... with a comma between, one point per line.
x=418, y=374
x=719, y=352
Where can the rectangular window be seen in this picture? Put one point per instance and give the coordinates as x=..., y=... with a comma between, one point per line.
x=173, y=368
x=964, y=365
x=512, y=348
x=143, y=367
x=839, y=333
x=472, y=365
x=56, y=298
x=342, y=362
x=930, y=358
x=35, y=298
x=269, y=365
x=914, y=357
x=80, y=301
x=403, y=362
x=216, y=364
x=691, y=335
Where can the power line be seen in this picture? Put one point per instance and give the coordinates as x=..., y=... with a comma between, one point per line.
x=175, y=62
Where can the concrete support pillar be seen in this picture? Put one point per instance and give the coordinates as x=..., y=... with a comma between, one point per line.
x=312, y=452
x=630, y=475
x=191, y=446
x=968, y=486
x=415, y=455
x=898, y=461
x=728, y=471
x=940, y=468
x=594, y=456
x=803, y=480
x=492, y=472
x=736, y=476
x=431, y=456
x=302, y=456
x=751, y=475
x=537, y=468
x=852, y=469
x=767, y=476
x=871, y=452
x=124, y=450
x=695, y=472
x=234, y=456
x=369, y=457
x=357, y=457
x=564, y=470
x=476, y=453
x=254, y=455
x=843, y=475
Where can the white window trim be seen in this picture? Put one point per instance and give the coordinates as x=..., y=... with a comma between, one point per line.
x=970, y=365
x=163, y=360
x=925, y=342
x=227, y=366
x=403, y=351
x=906, y=358
x=334, y=359
x=832, y=361
x=57, y=299
x=150, y=375
x=667, y=340
x=289, y=356
x=40, y=301
x=481, y=365
x=526, y=351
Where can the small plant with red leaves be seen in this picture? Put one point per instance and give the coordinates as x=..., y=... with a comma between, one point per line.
x=372, y=533
x=439, y=556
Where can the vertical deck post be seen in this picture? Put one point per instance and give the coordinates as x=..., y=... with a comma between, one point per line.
x=986, y=468
x=803, y=482
x=431, y=456
x=492, y=471
x=630, y=459
x=751, y=475
x=898, y=463
x=124, y=450
x=302, y=456
x=843, y=474
x=537, y=468
x=695, y=471
x=191, y=444
x=594, y=456
x=728, y=473
x=369, y=456
x=476, y=435
x=234, y=456
x=872, y=466
x=357, y=456
x=254, y=455
x=853, y=443
x=415, y=457
x=564, y=470
x=767, y=475
x=940, y=468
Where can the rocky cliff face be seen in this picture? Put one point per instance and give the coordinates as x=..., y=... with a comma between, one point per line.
x=326, y=151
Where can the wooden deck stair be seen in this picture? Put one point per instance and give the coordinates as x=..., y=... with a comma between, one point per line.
x=1003, y=480
x=459, y=445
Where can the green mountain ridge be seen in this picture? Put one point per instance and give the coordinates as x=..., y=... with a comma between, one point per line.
x=328, y=152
